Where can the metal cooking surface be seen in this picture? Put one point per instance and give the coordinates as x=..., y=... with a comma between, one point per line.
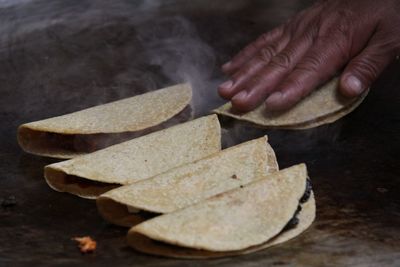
x=61, y=56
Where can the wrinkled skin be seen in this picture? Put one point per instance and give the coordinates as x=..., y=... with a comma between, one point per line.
x=358, y=37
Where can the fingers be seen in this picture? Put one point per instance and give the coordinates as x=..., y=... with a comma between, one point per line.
x=253, y=88
x=252, y=49
x=364, y=69
x=317, y=66
x=296, y=26
x=261, y=59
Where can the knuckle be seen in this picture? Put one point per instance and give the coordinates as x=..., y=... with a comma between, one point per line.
x=267, y=53
x=282, y=61
x=310, y=64
x=367, y=68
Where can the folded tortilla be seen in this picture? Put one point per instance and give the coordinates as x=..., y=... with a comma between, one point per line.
x=189, y=184
x=94, y=128
x=91, y=175
x=325, y=105
x=260, y=214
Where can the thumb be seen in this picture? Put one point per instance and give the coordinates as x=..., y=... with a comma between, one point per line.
x=364, y=69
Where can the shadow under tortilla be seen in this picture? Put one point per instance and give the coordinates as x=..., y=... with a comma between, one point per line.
x=120, y=214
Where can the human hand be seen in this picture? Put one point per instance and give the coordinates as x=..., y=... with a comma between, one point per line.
x=286, y=64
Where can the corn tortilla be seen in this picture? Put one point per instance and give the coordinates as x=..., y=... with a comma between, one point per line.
x=70, y=135
x=90, y=175
x=189, y=184
x=146, y=245
x=233, y=221
x=325, y=105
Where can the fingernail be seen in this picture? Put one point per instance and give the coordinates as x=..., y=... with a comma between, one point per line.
x=354, y=84
x=240, y=96
x=274, y=98
x=226, y=85
x=226, y=65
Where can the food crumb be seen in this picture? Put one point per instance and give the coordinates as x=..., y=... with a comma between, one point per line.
x=86, y=244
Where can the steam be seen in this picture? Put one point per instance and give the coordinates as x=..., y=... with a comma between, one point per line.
x=174, y=45
x=84, y=56
x=8, y=3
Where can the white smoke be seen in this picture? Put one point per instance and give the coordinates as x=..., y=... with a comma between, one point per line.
x=174, y=45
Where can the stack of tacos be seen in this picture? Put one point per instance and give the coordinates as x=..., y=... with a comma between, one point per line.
x=180, y=194
x=230, y=203
x=260, y=214
x=189, y=184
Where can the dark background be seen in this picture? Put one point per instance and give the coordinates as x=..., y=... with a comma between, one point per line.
x=61, y=56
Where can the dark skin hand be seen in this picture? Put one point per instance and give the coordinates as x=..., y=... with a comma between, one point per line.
x=358, y=37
